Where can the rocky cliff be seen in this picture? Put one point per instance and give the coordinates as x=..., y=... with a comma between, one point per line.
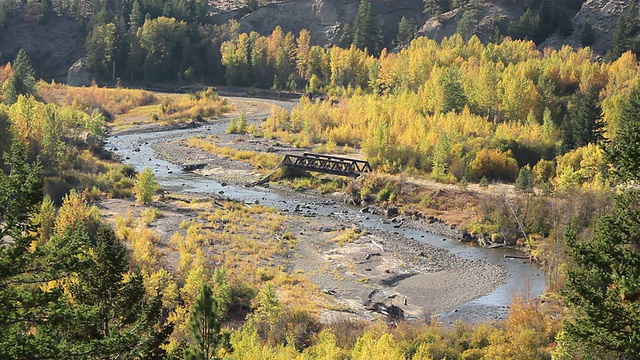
x=53, y=47
x=59, y=43
x=325, y=19
x=602, y=15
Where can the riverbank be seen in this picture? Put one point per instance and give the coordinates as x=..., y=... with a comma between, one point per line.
x=420, y=278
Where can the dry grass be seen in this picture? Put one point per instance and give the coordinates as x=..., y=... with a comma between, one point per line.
x=128, y=107
x=259, y=160
x=204, y=104
x=347, y=236
x=253, y=242
x=109, y=101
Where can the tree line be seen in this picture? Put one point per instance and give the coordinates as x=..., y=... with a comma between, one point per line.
x=150, y=40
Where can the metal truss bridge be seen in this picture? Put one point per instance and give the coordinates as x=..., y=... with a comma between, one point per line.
x=326, y=164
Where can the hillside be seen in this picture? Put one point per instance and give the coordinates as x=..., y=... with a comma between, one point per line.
x=56, y=39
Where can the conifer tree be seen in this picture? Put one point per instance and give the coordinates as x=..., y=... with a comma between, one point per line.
x=204, y=326
x=524, y=181
x=406, y=31
x=623, y=151
x=28, y=311
x=602, y=281
x=23, y=81
x=136, y=18
x=6, y=138
x=20, y=193
x=469, y=20
x=366, y=33
x=583, y=124
x=435, y=7
x=588, y=36
x=620, y=38
x=113, y=314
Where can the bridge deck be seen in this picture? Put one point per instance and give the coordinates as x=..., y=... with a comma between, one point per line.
x=327, y=164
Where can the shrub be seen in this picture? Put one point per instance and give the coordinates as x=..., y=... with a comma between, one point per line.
x=493, y=164
x=150, y=214
x=146, y=186
x=234, y=127
x=543, y=171
x=464, y=182
x=57, y=188
x=524, y=181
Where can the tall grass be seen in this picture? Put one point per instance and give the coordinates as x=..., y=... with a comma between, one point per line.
x=258, y=160
x=109, y=101
x=204, y=104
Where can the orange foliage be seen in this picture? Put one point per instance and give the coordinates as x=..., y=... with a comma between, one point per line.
x=6, y=72
x=110, y=101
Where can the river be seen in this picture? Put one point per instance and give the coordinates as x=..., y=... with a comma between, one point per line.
x=524, y=278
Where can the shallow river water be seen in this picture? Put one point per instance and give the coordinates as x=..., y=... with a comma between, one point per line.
x=524, y=278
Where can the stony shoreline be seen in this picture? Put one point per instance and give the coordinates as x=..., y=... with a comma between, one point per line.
x=420, y=278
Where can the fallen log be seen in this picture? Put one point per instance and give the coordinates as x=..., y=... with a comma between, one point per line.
x=518, y=257
x=192, y=167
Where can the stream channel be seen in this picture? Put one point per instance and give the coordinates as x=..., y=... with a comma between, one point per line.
x=523, y=278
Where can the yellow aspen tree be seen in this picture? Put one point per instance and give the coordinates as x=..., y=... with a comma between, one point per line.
x=145, y=187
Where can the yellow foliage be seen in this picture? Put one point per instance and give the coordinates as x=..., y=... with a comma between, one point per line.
x=582, y=167
x=494, y=164
x=325, y=348
x=76, y=213
x=112, y=101
x=375, y=345
x=259, y=160
x=161, y=282
x=6, y=72
x=205, y=104
x=143, y=246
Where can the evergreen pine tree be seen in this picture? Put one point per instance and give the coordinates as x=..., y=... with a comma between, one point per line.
x=6, y=138
x=528, y=25
x=454, y=95
x=346, y=39
x=136, y=18
x=406, y=31
x=584, y=122
x=23, y=81
x=113, y=314
x=432, y=7
x=620, y=38
x=496, y=37
x=524, y=181
x=20, y=193
x=602, y=282
x=28, y=311
x=588, y=35
x=469, y=20
x=204, y=327
x=623, y=151
x=366, y=33
x=363, y=33
x=565, y=24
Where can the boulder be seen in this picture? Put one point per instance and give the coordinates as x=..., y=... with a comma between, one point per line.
x=392, y=212
x=466, y=237
x=79, y=74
